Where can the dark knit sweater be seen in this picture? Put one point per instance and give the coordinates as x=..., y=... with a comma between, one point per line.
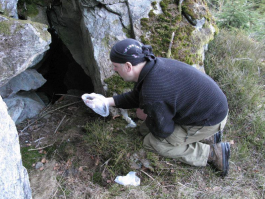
x=171, y=92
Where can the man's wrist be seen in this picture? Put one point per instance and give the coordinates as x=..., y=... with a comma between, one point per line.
x=111, y=101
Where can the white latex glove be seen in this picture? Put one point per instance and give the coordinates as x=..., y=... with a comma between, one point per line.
x=97, y=102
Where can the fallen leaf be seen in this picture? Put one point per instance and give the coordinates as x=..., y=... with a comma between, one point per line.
x=115, y=116
x=217, y=188
x=69, y=164
x=56, y=168
x=97, y=161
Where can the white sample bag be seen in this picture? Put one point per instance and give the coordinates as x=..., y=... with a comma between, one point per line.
x=129, y=179
x=98, y=103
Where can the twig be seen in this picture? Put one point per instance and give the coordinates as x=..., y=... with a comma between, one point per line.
x=54, y=193
x=179, y=5
x=150, y=177
x=170, y=45
x=41, y=148
x=238, y=59
x=59, y=125
x=106, y=163
x=47, y=114
x=39, y=139
x=62, y=190
x=69, y=95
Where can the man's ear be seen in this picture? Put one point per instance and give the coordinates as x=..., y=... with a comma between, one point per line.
x=128, y=66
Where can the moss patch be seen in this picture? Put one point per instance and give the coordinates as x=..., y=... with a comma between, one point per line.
x=30, y=157
x=117, y=85
x=5, y=28
x=28, y=8
x=158, y=31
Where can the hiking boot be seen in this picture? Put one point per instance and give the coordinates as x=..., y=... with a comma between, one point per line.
x=216, y=138
x=219, y=156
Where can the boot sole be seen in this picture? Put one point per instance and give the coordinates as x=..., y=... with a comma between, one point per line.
x=225, y=158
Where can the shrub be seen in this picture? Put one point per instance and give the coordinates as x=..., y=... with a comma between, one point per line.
x=237, y=64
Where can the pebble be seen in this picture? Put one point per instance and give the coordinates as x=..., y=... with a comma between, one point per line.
x=39, y=165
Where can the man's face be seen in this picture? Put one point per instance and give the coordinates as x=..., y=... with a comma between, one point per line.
x=121, y=70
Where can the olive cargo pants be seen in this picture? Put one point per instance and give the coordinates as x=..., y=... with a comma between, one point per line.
x=183, y=144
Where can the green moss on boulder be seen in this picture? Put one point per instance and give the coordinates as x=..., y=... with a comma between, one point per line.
x=5, y=28
x=117, y=85
x=158, y=30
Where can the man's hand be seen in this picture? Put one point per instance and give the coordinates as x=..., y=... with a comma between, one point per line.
x=98, y=103
x=140, y=114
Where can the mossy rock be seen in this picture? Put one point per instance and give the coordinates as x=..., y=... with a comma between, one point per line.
x=117, y=85
x=158, y=31
x=28, y=8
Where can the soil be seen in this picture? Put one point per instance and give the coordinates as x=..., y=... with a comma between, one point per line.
x=57, y=135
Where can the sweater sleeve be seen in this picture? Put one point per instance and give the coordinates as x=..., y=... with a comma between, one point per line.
x=127, y=100
x=159, y=119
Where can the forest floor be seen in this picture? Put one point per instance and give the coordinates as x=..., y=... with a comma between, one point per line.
x=71, y=152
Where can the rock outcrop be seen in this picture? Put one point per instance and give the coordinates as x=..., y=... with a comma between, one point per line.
x=9, y=8
x=29, y=80
x=22, y=45
x=90, y=28
x=14, y=180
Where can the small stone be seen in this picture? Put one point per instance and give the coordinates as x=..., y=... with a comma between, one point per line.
x=39, y=165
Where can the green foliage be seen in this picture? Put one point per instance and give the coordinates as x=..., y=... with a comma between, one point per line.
x=241, y=14
x=117, y=85
x=28, y=7
x=235, y=14
x=5, y=27
x=29, y=157
x=112, y=144
x=236, y=63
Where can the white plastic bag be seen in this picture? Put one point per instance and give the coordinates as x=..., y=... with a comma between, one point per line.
x=98, y=103
x=129, y=179
x=129, y=120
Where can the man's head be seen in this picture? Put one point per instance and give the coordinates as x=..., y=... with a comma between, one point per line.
x=128, y=56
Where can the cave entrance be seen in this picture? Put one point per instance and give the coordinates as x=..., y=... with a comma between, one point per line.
x=63, y=74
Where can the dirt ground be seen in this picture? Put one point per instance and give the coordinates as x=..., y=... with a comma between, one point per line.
x=56, y=134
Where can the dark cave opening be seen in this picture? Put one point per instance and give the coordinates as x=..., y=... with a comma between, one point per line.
x=62, y=72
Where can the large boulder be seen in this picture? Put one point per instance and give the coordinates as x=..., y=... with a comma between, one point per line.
x=14, y=180
x=90, y=28
x=29, y=80
x=23, y=106
x=9, y=8
x=22, y=45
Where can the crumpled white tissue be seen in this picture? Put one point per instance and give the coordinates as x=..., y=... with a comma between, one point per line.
x=129, y=120
x=129, y=179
